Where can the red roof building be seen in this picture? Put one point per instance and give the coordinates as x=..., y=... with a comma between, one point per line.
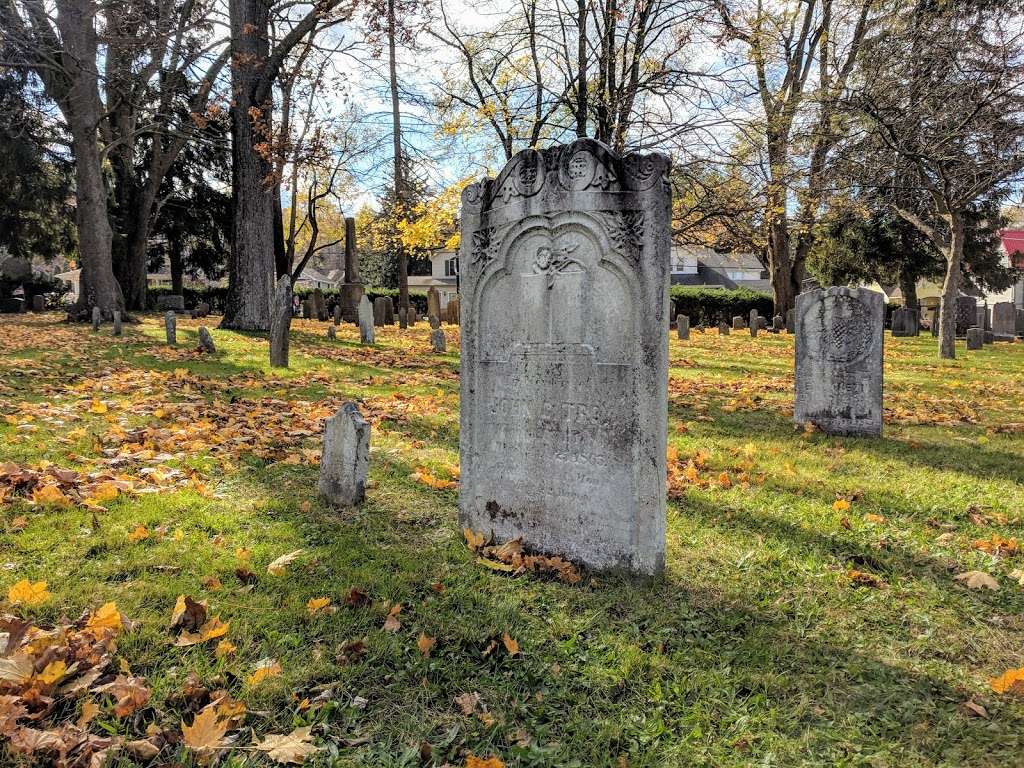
x=1013, y=244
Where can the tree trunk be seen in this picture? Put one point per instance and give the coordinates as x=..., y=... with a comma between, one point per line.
x=951, y=288
x=908, y=287
x=177, y=267
x=396, y=135
x=780, y=265
x=82, y=110
x=251, y=261
x=581, y=64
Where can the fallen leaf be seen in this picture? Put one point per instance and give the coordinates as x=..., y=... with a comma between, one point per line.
x=141, y=533
x=391, y=623
x=473, y=540
x=265, y=668
x=25, y=592
x=510, y=645
x=1011, y=681
x=130, y=693
x=425, y=643
x=89, y=711
x=316, y=604
x=224, y=648
x=50, y=494
x=206, y=733
x=277, y=567
x=106, y=617
x=840, y=505
x=188, y=614
x=977, y=580
x=468, y=702
x=293, y=747
x=212, y=629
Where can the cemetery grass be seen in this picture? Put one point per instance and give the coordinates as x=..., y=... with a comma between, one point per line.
x=808, y=614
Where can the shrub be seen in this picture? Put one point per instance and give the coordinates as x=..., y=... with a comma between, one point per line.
x=711, y=305
x=215, y=296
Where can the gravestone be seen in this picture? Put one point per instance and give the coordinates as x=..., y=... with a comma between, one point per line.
x=117, y=323
x=337, y=314
x=352, y=288
x=737, y=322
x=202, y=309
x=565, y=273
x=1020, y=322
x=453, y=312
x=12, y=305
x=380, y=311
x=332, y=332
x=966, y=314
x=403, y=318
x=981, y=320
x=280, y=321
x=905, y=322
x=975, y=338
x=778, y=324
x=389, y=312
x=319, y=305
x=990, y=337
x=683, y=326
x=38, y=303
x=171, y=301
x=790, y=321
x=762, y=323
x=308, y=308
x=413, y=315
x=754, y=324
x=437, y=341
x=345, y=458
x=171, y=327
x=723, y=329
x=435, y=321
x=206, y=340
x=1004, y=320
x=434, y=303
x=97, y=318
x=936, y=318
x=366, y=321
x=839, y=337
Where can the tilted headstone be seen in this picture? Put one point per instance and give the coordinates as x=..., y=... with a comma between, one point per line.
x=345, y=458
x=754, y=324
x=839, y=337
x=683, y=326
x=38, y=303
x=454, y=311
x=389, y=313
x=778, y=324
x=171, y=327
x=437, y=341
x=308, y=309
x=97, y=318
x=403, y=318
x=332, y=332
x=366, y=321
x=975, y=338
x=433, y=303
x=380, y=310
x=337, y=314
x=206, y=340
x=171, y=301
x=738, y=323
x=280, y=321
x=723, y=329
x=202, y=309
x=319, y=305
x=790, y=321
x=565, y=273
x=435, y=321
x=1004, y=320
x=966, y=314
x=118, y=329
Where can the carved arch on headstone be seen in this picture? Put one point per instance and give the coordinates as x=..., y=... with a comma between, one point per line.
x=568, y=286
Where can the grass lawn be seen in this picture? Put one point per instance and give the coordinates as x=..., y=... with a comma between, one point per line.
x=808, y=614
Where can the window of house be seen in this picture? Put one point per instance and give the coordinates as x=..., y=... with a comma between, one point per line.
x=451, y=266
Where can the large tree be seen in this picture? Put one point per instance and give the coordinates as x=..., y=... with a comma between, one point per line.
x=943, y=101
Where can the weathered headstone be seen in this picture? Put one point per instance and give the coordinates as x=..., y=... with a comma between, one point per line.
x=281, y=321
x=904, y=322
x=118, y=329
x=683, y=326
x=565, y=267
x=778, y=324
x=975, y=338
x=97, y=318
x=762, y=322
x=403, y=318
x=790, y=321
x=413, y=315
x=435, y=321
x=332, y=332
x=990, y=337
x=171, y=301
x=319, y=305
x=38, y=303
x=737, y=323
x=337, y=314
x=206, y=340
x=380, y=310
x=352, y=288
x=453, y=311
x=754, y=324
x=171, y=327
x=202, y=309
x=308, y=308
x=345, y=458
x=966, y=314
x=389, y=313
x=935, y=322
x=437, y=341
x=1004, y=320
x=366, y=321
x=433, y=302
x=839, y=337
x=1020, y=322
x=723, y=329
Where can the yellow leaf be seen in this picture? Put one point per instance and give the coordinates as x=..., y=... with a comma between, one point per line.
x=510, y=645
x=873, y=518
x=139, y=534
x=264, y=668
x=50, y=494
x=724, y=481
x=472, y=761
x=206, y=732
x=425, y=644
x=1012, y=680
x=106, y=617
x=16, y=669
x=89, y=711
x=473, y=540
x=294, y=747
x=53, y=672
x=840, y=505
x=105, y=492
x=317, y=604
x=19, y=523
x=224, y=648
x=97, y=406
x=26, y=592
x=212, y=629
x=277, y=567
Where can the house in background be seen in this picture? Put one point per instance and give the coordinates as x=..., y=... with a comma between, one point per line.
x=700, y=266
x=1013, y=251
x=444, y=275
x=313, y=278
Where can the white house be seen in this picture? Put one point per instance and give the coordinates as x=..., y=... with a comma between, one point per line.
x=444, y=275
x=697, y=265
x=312, y=278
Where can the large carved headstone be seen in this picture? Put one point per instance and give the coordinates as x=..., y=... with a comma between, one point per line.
x=1004, y=320
x=565, y=272
x=966, y=314
x=839, y=335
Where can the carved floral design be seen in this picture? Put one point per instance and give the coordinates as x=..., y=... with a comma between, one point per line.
x=553, y=262
x=485, y=246
x=625, y=231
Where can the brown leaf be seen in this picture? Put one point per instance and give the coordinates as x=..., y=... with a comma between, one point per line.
x=130, y=693
x=356, y=598
x=293, y=747
x=207, y=731
x=510, y=645
x=391, y=623
x=188, y=614
x=468, y=702
x=425, y=644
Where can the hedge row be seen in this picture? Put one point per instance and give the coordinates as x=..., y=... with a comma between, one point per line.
x=216, y=297
x=713, y=305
